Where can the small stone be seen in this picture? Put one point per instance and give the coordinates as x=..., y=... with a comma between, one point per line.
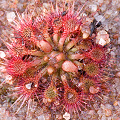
x=91, y=112
x=109, y=118
x=108, y=106
x=102, y=38
x=103, y=117
x=41, y=117
x=93, y=8
x=10, y=16
x=118, y=118
x=1, y=13
x=116, y=37
x=66, y=116
x=108, y=112
x=8, y=79
x=57, y=103
x=83, y=15
x=100, y=112
x=108, y=13
x=2, y=69
x=93, y=90
x=28, y=86
x=118, y=74
x=45, y=100
x=102, y=42
x=85, y=35
x=115, y=103
x=117, y=19
x=119, y=103
x=103, y=7
x=80, y=84
x=46, y=5
x=85, y=28
x=100, y=1
x=119, y=40
x=59, y=117
x=47, y=116
x=112, y=53
x=102, y=106
x=100, y=18
x=2, y=54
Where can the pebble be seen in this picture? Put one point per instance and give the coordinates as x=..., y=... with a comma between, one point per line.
x=108, y=13
x=85, y=35
x=100, y=18
x=118, y=74
x=102, y=38
x=10, y=16
x=85, y=30
x=100, y=112
x=115, y=103
x=66, y=116
x=93, y=7
x=108, y=112
x=100, y=1
x=103, y=117
x=93, y=90
x=2, y=69
x=2, y=54
x=41, y=117
x=108, y=106
x=119, y=103
x=1, y=13
x=117, y=19
x=103, y=7
x=119, y=40
x=59, y=117
x=91, y=112
x=2, y=110
x=28, y=86
x=102, y=106
x=116, y=36
x=112, y=53
x=114, y=2
x=8, y=79
x=47, y=116
x=109, y=118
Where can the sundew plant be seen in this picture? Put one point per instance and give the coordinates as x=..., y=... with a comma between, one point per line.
x=57, y=57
